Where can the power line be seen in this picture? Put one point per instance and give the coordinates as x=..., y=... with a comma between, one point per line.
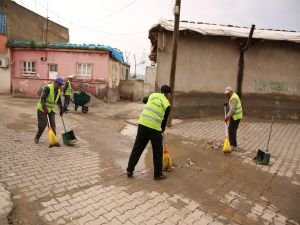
x=111, y=14
x=95, y=30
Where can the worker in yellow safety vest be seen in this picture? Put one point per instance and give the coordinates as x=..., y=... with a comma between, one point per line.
x=151, y=124
x=67, y=92
x=50, y=97
x=234, y=115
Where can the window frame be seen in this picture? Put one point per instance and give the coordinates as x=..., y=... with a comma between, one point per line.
x=84, y=70
x=29, y=68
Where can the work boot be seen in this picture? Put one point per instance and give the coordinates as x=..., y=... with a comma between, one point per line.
x=36, y=140
x=234, y=148
x=161, y=177
x=129, y=174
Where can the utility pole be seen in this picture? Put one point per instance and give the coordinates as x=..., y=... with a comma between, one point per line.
x=174, y=56
x=134, y=66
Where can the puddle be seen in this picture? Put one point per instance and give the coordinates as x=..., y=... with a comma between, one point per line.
x=145, y=163
x=130, y=131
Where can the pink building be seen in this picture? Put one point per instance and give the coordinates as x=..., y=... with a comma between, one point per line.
x=97, y=69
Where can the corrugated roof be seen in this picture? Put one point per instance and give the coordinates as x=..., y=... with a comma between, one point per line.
x=116, y=53
x=230, y=30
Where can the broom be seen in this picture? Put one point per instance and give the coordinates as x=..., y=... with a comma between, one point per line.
x=226, y=145
x=51, y=136
x=167, y=162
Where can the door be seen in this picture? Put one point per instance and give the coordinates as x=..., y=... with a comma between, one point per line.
x=52, y=71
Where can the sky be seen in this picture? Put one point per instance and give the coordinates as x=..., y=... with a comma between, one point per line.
x=124, y=24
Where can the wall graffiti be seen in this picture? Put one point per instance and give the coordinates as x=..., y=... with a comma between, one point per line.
x=270, y=86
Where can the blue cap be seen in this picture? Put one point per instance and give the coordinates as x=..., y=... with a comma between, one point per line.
x=60, y=80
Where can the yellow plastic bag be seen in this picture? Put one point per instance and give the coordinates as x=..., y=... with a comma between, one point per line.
x=167, y=162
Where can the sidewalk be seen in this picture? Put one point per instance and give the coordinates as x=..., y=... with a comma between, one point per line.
x=86, y=183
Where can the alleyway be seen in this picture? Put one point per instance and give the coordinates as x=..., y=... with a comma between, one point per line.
x=86, y=183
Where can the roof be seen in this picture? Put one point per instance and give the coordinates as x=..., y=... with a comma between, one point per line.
x=229, y=30
x=115, y=53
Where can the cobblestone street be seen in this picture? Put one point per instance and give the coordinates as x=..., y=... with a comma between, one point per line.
x=86, y=184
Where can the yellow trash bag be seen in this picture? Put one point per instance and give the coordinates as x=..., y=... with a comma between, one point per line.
x=167, y=162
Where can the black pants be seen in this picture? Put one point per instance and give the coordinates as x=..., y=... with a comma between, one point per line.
x=144, y=134
x=42, y=122
x=66, y=102
x=232, y=129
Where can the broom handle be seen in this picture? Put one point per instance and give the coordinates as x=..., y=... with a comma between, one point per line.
x=226, y=127
x=63, y=124
x=48, y=121
x=270, y=134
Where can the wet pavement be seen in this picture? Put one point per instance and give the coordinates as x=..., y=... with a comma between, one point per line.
x=86, y=183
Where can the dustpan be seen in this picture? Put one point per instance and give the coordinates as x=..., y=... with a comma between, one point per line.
x=263, y=156
x=69, y=136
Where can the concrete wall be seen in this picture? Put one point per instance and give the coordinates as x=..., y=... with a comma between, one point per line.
x=4, y=72
x=150, y=78
x=206, y=65
x=117, y=72
x=5, y=75
x=132, y=90
x=272, y=67
x=203, y=64
x=25, y=25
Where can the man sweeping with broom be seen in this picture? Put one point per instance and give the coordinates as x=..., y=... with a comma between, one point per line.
x=152, y=123
x=46, y=110
x=234, y=115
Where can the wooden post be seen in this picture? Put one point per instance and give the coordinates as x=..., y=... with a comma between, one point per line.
x=174, y=56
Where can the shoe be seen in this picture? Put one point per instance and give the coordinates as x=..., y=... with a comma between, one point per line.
x=233, y=148
x=36, y=140
x=57, y=145
x=161, y=177
x=129, y=174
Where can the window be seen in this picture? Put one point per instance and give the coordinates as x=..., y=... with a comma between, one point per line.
x=28, y=68
x=84, y=70
x=53, y=67
x=2, y=22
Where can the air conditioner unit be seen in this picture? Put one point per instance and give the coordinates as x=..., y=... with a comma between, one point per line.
x=3, y=62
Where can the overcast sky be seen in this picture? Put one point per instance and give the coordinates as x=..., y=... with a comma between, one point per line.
x=124, y=24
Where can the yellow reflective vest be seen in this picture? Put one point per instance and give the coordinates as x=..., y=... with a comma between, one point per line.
x=239, y=110
x=154, y=111
x=50, y=101
x=68, y=91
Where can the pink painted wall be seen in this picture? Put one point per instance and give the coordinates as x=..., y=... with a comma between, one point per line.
x=66, y=61
x=3, y=41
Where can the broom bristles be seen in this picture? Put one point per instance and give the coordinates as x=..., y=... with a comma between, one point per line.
x=52, y=137
x=226, y=146
x=167, y=162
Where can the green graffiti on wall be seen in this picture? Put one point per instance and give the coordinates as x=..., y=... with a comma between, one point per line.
x=270, y=86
